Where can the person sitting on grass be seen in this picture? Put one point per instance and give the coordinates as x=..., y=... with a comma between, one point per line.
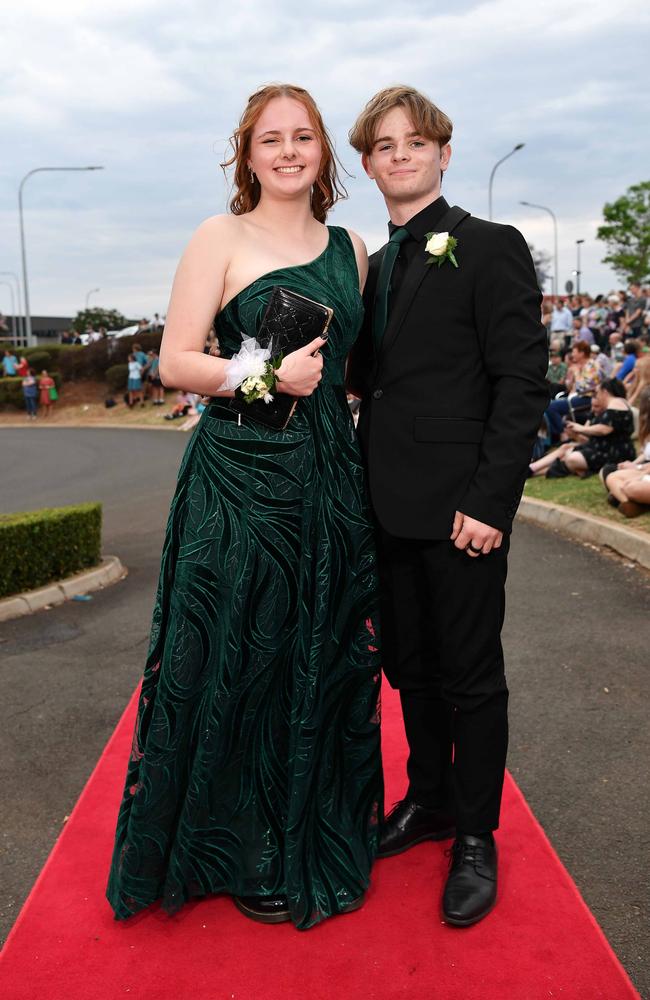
x=606, y=438
x=639, y=380
x=628, y=483
x=581, y=331
x=557, y=369
x=181, y=407
x=581, y=381
x=631, y=492
x=632, y=349
x=604, y=362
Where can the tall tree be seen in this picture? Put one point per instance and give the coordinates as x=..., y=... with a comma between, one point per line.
x=542, y=262
x=96, y=317
x=626, y=233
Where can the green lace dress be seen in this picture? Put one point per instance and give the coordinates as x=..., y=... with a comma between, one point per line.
x=255, y=767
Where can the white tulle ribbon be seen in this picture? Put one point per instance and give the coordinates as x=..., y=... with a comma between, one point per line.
x=250, y=362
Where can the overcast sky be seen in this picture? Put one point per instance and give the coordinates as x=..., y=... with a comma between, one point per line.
x=152, y=89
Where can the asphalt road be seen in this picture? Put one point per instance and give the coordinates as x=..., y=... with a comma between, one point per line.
x=576, y=643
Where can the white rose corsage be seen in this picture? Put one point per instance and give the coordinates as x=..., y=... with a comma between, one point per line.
x=253, y=371
x=441, y=247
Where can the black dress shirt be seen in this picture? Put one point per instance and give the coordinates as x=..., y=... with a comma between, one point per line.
x=418, y=226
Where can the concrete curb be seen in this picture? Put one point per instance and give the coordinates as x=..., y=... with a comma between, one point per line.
x=109, y=571
x=171, y=425
x=634, y=545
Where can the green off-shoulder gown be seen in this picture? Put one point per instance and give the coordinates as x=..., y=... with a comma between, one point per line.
x=255, y=767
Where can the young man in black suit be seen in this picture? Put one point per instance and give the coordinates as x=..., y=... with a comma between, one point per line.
x=451, y=367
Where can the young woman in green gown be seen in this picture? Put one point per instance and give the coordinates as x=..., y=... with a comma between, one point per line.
x=255, y=768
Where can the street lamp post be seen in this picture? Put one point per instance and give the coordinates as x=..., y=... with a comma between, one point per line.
x=19, y=324
x=13, y=310
x=520, y=145
x=543, y=208
x=38, y=170
x=91, y=292
x=578, y=271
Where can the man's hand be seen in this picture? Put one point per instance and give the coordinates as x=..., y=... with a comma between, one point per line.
x=482, y=537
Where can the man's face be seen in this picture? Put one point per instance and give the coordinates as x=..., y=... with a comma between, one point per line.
x=405, y=165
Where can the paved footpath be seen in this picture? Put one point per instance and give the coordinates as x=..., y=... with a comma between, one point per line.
x=577, y=653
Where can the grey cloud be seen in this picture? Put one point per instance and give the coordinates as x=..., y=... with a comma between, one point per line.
x=153, y=91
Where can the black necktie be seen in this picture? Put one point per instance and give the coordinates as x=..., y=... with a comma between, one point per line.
x=380, y=312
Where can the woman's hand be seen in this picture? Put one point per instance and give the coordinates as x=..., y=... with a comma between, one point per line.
x=300, y=372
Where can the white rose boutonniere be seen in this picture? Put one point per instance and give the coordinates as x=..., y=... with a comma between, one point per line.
x=441, y=246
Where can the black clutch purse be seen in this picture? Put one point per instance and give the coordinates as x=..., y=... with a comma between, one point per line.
x=290, y=321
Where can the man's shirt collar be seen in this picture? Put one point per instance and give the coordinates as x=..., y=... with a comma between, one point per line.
x=425, y=221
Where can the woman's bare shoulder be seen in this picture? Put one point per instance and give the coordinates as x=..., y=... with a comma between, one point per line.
x=214, y=239
x=357, y=242
x=218, y=225
x=361, y=254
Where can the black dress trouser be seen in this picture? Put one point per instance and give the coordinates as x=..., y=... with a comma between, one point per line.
x=441, y=618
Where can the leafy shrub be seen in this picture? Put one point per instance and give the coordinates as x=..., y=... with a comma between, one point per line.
x=37, y=547
x=54, y=350
x=39, y=360
x=89, y=361
x=116, y=377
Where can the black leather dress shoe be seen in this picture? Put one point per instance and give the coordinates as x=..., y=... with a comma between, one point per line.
x=409, y=824
x=471, y=889
x=264, y=909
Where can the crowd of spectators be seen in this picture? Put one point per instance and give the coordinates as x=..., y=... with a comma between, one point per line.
x=598, y=419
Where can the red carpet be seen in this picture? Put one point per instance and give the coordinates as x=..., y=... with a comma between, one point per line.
x=540, y=941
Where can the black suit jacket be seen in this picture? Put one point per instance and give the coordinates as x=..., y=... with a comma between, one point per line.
x=454, y=398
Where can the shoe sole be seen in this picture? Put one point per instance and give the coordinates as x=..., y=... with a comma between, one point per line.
x=356, y=904
x=441, y=835
x=468, y=923
x=283, y=917
x=262, y=918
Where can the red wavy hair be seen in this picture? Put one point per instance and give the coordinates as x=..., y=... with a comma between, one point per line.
x=327, y=189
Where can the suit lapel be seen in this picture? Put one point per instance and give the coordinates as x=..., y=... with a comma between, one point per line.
x=413, y=279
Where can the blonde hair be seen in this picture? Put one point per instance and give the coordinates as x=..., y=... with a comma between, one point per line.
x=643, y=401
x=428, y=120
x=641, y=379
x=328, y=188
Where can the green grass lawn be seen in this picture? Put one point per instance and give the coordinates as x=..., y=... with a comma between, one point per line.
x=582, y=494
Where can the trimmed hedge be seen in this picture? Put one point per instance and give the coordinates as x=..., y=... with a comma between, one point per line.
x=54, y=351
x=76, y=361
x=117, y=377
x=92, y=361
x=40, y=360
x=39, y=546
x=11, y=389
